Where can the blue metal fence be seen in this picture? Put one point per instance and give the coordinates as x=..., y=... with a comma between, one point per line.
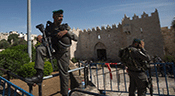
x=4, y=82
x=101, y=77
x=164, y=69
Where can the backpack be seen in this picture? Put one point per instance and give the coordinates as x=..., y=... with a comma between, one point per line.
x=126, y=58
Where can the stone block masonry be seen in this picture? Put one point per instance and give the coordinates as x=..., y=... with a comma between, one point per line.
x=104, y=43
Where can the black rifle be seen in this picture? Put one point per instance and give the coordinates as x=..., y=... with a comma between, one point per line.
x=46, y=43
x=150, y=85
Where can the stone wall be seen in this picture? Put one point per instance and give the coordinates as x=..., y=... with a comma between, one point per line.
x=147, y=28
x=105, y=42
x=169, y=40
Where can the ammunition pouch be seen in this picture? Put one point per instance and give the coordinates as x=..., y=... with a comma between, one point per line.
x=144, y=65
x=59, y=44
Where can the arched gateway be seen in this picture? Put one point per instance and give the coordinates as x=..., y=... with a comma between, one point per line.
x=100, y=51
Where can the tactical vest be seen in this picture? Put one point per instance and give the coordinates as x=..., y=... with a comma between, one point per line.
x=58, y=44
x=125, y=55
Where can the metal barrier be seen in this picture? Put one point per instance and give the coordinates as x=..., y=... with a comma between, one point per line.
x=39, y=84
x=9, y=73
x=4, y=82
x=162, y=68
x=101, y=73
x=104, y=78
x=104, y=73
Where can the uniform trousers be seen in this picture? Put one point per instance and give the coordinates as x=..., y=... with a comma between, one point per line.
x=138, y=81
x=62, y=62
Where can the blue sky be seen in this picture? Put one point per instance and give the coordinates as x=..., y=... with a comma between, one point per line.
x=82, y=14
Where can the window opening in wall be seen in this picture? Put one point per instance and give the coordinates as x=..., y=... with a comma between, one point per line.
x=99, y=37
x=129, y=32
x=141, y=30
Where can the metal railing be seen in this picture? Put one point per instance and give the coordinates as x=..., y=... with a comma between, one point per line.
x=104, y=77
x=164, y=69
x=16, y=89
x=9, y=73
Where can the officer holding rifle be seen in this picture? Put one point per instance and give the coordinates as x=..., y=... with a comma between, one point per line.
x=59, y=37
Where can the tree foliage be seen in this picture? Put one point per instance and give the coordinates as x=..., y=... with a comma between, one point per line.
x=4, y=44
x=19, y=42
x=11, y=59
x=28, y=70
x=14, y=57
x=12, y=38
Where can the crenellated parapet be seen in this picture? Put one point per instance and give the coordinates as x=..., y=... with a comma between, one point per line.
x=144, y=15
x=106, y=40
x=126, y=23
x=138, y=24
x=102, y=28
x=114, y=26
x=135, y=17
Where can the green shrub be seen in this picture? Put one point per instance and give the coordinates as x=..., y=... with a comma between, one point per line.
x=47, y=68
x=12, y=60
x=27, y=70
x=4, y=44
x=55, y=64
x=74, y=60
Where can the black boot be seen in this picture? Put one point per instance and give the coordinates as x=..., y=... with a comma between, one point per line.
x=38, y=78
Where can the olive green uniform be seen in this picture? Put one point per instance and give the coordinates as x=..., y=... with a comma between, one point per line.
x=138, y=77
x=61, y=55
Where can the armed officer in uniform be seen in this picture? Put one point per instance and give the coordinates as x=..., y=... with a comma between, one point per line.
x=60, y=37
x=138, y=77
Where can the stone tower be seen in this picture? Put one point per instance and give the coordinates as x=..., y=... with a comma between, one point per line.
x=105, y=42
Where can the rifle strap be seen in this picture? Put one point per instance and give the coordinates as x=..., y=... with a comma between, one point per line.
x=134, y=62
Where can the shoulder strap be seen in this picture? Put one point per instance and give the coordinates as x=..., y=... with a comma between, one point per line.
x=134, y=62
